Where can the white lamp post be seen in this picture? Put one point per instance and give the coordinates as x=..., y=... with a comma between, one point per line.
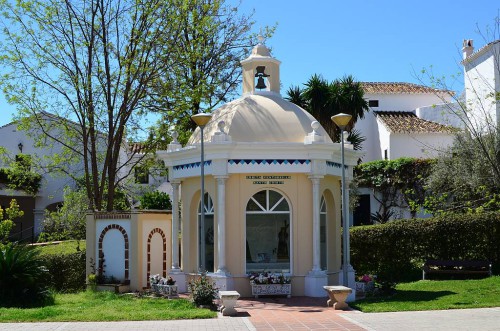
x=201, y=120
x=341, y=120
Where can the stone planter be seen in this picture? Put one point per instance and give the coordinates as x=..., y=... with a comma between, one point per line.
x=271, y=289
x=168, y=290
x=362, y=288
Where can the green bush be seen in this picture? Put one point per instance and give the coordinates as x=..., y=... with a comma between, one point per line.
x=23, y=277
x=66, y=271
x=203, y=291
x=395, y=251
x=156, y=200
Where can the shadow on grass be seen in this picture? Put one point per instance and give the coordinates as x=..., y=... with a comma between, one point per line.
x=405, y=296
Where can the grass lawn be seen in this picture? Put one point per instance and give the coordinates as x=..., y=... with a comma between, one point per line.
x=106, y=306
x=436, y=294
x=65, y=247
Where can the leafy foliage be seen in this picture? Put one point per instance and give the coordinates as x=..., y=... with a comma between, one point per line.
x=396, y=183
x=463, y=179
x=22, y=277
x=205, y=62
x=19, y=176
x=66, y=272
x=395, y=251
x=68, y=221
x=93, y=64
x=156, y=200
x=323, y=100
x=6, y=220
x=203, y=291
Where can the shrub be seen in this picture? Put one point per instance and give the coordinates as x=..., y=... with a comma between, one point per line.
x=66, y=271
x=395, y=251
x=203, y=291
x=156, y=200
x=68, y=222
x=23, y=277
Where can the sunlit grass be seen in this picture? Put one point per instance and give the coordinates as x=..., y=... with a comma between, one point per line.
x=106, y=306
x=65, y=247
x=435, y=295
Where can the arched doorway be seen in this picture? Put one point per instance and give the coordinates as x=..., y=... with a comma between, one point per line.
x=268, y=232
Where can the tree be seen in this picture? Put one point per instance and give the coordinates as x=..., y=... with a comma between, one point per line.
x=68, y=221
x=206, y=68
x=92, y=64
x=323, y=100
x=6, y=220
x=466, y=177
x=395, y=183
x=86, y=74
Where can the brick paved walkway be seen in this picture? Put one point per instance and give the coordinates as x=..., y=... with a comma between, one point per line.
x=297, y=313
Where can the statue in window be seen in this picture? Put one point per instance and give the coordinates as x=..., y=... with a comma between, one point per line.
x=283, y=242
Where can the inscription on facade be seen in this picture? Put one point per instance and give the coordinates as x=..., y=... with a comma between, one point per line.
x=272, y=180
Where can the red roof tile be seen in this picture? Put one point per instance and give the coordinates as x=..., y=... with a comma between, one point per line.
x=408, y=122
x=400, y=88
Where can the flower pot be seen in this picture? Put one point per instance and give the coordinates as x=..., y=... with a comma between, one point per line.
x=271, y=289
x=362, y=288
x=168, y=290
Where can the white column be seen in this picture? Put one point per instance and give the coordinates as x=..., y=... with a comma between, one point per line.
x=316, y=223
x=175, y=226
x=316, y=278
x=221, y=224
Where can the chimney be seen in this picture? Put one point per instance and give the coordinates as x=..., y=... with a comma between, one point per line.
x=467, y=48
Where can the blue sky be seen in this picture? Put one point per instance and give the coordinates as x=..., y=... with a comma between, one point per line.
x=371, y=40
x=382, y=41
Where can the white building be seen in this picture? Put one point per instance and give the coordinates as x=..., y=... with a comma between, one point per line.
x=482, y=83
x=50, y=195
x=392, y=127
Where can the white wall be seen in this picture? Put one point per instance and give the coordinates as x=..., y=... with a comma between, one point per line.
x=445, y=113
x=480, y=87
x=368, y=128
x=404, y=102
x=426, y=145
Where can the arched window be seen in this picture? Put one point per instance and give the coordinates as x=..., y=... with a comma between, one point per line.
x=322, y=234
x=268, y=232
x=206, y=262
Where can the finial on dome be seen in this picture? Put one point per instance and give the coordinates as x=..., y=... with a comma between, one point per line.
x=175, y=135
x=174, y=144
x=314, y=136
x=315, y=126
x=221, y=125
x=261, y=38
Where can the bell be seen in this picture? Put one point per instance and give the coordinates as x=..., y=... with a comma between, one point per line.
x=260, y=71
x=260, y=83
x=261, y=74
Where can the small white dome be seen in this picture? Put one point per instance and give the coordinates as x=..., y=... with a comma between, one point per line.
x=261, y=118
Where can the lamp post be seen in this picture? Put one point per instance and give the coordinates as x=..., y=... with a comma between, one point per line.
x=201, y=120
x=341, y=120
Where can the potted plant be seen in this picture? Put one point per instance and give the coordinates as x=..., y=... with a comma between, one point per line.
x=266, y=283
x=364, y=285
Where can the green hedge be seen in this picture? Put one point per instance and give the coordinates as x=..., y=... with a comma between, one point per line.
x=395, y=251
x=67, y=271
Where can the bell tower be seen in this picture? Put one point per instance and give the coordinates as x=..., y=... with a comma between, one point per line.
x=261, y=72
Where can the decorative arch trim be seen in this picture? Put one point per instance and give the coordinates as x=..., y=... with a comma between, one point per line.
x=164, y=251
x=125, y=238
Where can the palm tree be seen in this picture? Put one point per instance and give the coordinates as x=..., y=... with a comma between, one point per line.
x=323, y=100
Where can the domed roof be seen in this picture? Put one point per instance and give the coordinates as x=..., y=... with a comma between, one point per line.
x=261, y=118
